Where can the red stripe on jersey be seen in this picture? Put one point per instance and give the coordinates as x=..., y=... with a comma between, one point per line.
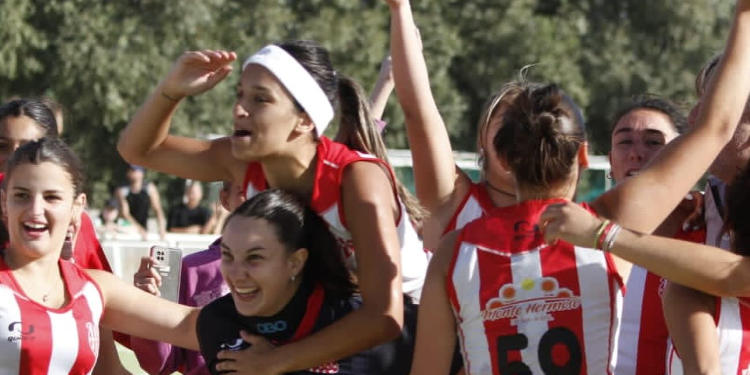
x=744, y=357
x=87, y=334
x=652, y=341
x=36, y=341
x=561, y=263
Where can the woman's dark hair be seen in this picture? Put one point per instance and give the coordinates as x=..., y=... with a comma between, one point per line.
x=540, y=136
x=357, y=128
x=48, y=149
x=738, y=212
x=297, y=226
x=35, y=109
x=654, y=103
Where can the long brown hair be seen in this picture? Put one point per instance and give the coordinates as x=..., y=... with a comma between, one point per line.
x=357, y=127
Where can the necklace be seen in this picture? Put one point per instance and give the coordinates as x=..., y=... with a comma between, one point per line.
x=47, y=294
x=497, y=189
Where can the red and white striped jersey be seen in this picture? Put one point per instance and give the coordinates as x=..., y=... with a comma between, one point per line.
x=332, y=160
x=643, y=338
x=475, y=204
x=732, y=318
x=525, y=307
x=35, y=339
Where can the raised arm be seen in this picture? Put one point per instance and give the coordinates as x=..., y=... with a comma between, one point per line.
x=382, y=89
x=435, y=173
x=146, y=140
x=705, y=268
x=644, y=201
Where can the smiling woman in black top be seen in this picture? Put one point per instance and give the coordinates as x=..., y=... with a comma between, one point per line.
x=287, y=279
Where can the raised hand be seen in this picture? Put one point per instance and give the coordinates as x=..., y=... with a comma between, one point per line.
x=569, y=222
x=195, y=72
x=147, y=278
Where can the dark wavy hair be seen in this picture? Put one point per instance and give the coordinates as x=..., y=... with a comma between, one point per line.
x=35, y=109
x=357, y=127
x=48, y=149
x=297, y=226
x=541, y=133
x=654, y=103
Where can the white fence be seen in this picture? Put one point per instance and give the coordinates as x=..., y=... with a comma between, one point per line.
x=124, y=251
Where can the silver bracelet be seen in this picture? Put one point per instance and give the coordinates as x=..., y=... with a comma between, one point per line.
x=609, y=241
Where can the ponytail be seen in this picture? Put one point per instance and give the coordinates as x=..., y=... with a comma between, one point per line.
x=359, y=132
x=541, y=133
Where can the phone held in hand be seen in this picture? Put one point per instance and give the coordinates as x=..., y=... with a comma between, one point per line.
x=169, y=266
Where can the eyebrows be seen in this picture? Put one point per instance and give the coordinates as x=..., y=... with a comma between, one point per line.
x=629, y=130
x=252, y=249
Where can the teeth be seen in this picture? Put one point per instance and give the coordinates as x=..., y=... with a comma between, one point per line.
x=35, y=225
x=245, y=290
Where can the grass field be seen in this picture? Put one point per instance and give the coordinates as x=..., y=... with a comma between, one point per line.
x=128, y=360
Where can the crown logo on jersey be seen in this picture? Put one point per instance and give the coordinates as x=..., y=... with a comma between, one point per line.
x=530, y=300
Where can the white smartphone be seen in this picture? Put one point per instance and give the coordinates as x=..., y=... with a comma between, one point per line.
x=169, y=266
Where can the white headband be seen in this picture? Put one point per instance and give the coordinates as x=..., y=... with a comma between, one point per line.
x=297, y=81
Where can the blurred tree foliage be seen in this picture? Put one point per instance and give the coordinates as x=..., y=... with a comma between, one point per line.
x=100, y=59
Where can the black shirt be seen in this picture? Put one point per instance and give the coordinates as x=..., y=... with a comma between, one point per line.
x=310, y=310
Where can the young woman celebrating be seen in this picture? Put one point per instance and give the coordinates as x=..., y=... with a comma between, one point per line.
x=52, y=307
x=25, y=120
x=286, y=281
x=521, y=305
x=449, y=195
x=286, y=97
x=722, y=348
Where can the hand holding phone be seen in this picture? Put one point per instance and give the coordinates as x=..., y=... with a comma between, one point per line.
x=147, y=278
x=168, y=265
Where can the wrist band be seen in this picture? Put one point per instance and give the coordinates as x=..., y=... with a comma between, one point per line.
x=599, y=232
x=609, y=241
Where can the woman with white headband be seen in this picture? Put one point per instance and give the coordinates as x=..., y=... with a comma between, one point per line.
x=285, y=99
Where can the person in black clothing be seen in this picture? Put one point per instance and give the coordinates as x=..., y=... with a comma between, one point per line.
x=136, y=198
x=287, y=280
x=189, y=216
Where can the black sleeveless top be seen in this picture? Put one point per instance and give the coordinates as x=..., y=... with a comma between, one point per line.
x=139, y=204
x=310, y=310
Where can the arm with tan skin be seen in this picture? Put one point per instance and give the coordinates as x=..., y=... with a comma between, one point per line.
x=669, y=176
x=146, y=140
x=708, y=269
x=436, y=325
x=132, y=311
x=108, y=361
x=689, y=317
x=440, y=185
x=370, y=208
x=383, y=88
x=155, y=199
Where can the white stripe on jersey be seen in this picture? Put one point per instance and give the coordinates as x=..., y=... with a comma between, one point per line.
x=471, y=211
x=467, y=282
x=730, y=341
x=592, y=272
x=10, y=349
x=528, y=265
x=730, y=335
x=630, y=330
x=63, y=330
